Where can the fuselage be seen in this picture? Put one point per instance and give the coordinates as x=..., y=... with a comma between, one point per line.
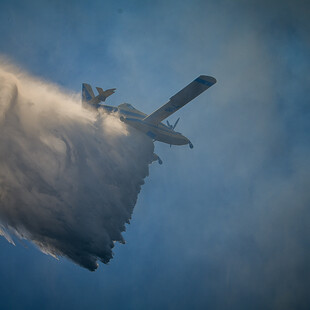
x=135, y=118
x=151, y=124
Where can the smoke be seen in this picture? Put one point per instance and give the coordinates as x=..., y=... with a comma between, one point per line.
x=69, y=177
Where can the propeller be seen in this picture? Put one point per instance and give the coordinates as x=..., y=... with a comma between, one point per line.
x=173, y=126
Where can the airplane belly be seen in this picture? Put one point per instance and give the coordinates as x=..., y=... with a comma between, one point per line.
x=157, y=133
x=172, y=139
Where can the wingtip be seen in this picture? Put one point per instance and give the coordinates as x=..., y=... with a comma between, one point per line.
x=208, y=78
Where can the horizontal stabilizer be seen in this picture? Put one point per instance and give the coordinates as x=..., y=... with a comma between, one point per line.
x=181, y=98
x=103, y=95
x=89, y=98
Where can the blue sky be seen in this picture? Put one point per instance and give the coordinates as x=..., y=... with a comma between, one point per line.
x=224, y=225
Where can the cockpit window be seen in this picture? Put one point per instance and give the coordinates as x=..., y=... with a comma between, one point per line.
x=130, y=106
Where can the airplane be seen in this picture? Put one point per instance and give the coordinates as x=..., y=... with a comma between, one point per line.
x=151, y=124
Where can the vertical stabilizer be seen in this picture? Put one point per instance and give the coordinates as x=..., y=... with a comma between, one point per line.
x=89, y=98
x=87, y=93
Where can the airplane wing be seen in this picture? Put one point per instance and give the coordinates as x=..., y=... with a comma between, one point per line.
x=181, y=98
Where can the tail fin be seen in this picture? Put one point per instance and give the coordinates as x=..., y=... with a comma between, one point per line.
x=88, y=96
x=87, y=92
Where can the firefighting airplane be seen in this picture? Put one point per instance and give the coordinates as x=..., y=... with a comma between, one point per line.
x=151, y=124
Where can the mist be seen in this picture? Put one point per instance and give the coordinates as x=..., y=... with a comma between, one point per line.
x=69, y=177
x=222, y=226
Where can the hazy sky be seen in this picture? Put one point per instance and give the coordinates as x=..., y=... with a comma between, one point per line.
x=222, y=226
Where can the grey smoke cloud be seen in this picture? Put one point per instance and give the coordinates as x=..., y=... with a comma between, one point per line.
x=69, y=177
